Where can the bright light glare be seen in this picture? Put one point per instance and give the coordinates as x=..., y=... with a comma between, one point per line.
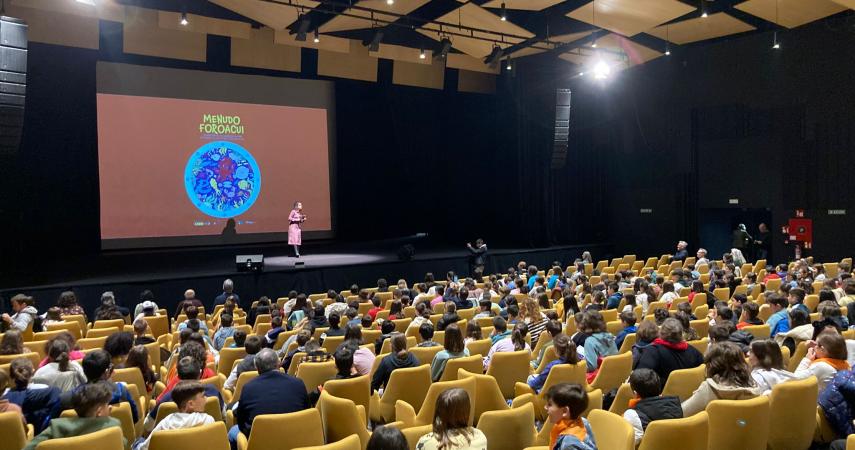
x=87, y=2
x=602, y=70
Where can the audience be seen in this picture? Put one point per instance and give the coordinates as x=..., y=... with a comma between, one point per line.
x=141, y=336
x=426, y=333
x=387, y=438
x=513, y=343
x=451, y=429
x=68, y=305
x=627, y=321
x=25, y=313
x=554, y=328
x=600, y=343
x=60, y=372
x=35, y=400
x=12, y=343
x=565, y=404
x=253, y=345
x=453, y=348
x=399, y=358
x=649, y=404
x=225, y=331
x=363, y=358
x=767, y=365
x=565, y=349
x=669, y=352
x=189, y=397
x=728, y=378
x=139, y=358
x=825, y=357
x=188, y=370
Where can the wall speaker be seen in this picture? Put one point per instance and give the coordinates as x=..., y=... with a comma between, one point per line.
x=562, y=128
x=13, y=82
x=249, y=263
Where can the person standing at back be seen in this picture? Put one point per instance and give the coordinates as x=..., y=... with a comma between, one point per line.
x=477, y=256
x=228, y=290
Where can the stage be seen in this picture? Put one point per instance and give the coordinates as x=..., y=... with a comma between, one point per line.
x=329, y=265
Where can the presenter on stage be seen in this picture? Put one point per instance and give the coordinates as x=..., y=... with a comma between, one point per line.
x=476, y=258
x=295, y=231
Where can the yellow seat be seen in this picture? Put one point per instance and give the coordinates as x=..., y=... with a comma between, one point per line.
x=614, y=370
x=159, y=325
x=473, y=364
x=342, y=418
x=413, y=434
x=331, y=343
x=409, y=385
x=114, y=323
x=133, y=376
x=242, y=380
x=228, y=356
x=488, y=396
x=746, y=422
x=611, y=431
x=425, y=354
x=796, y=358
x=72, y=327
x=560, y=373
x=544, y=339
x=758, y=331
x=357, y=389
x=315, y=374
x=32, y=356
x=209, y=437
x=693, y=433
x=480, y=347
x=508, y=368
x=13, y=431
x=621, y=401
x=791, y=406
x=92, y=343
x=102, y=332
x=684, y=382
x=548, y=356
x=267, y=431
x=108, y=438
x=212, y=408
x=510, y=429
x=387, y=344
x=406, y=413
x=351, y=442
x=850, y=442
x=701, y=326
x=701, y=345
x=628, y=341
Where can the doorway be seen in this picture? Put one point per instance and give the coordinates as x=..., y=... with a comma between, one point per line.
x=716, y=225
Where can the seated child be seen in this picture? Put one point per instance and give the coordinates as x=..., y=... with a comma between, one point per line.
x=189, y=396
x=648, y=404
x=92, y=404
x=565, y=404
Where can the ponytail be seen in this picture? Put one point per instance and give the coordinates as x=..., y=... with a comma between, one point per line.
x=59, y=353
x=518, y=336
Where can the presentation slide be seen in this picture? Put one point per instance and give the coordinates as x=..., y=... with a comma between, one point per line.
x=187, y=171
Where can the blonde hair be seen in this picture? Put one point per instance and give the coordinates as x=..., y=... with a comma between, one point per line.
x=530, y=310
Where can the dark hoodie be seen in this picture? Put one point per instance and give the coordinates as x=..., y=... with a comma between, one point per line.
x=389, y=364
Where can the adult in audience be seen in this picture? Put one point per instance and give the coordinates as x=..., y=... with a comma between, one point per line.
x=188, y=300
x=24, y=316
x=701, y=258
x=451, y=429
x=565, y=349
x=35, y=400
x=228, y=291
x=387, y=438
x=109, y=310
x=68, y=305
x=767, y=365
x=399, y=358
x=189, y=397
x=454, y=348
x=681, y=254
x=272, y=392
x=92, y=405
x=188, y=370
x=513, y=343
x=146, y=302
x=651, y=404
x=253, y=345
x=728, y=378
x=825, y=357
x=60, y=372
x=670, y=352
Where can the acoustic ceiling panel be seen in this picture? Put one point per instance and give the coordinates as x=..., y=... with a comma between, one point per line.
x=847, y=3
x=201, y=24
x=615, y=50
x=274, y=15
x=791, y=13
x=103, y=9
x=474, y=16
x=528, y=5
x=345, y=23
x=629, y=17
x=701, y=28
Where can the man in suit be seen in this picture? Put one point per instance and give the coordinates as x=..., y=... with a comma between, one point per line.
x=476, y=258
x=272, y=392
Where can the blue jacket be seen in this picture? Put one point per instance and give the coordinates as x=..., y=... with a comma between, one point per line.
x=622, y=335
x=270, y=393
x=36, y=403
x=837, y=401
x=570, y=442
x=778, y=323
x=120, y=394
x=536, y=382
x=599, y=345
x=614, y=300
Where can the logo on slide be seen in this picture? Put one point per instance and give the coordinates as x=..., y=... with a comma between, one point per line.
x=222, y=179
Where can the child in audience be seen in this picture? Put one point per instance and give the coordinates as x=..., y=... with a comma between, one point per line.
x=226, y=330
x=627, y=319
x=92, y=404
x=554, y=328
x=375, y=309
x=565, y=404
x=189, y=396
x=5, y=404
x=387, y=438
x=600, y=343
x=777, y=322
x=451, y=430
x=649, y=404
x=801, y=329
x=630, y=304
x=825, y=357
x=139, y=358
x=60, y=371
x=35, y=400
x=767, y=365
x=426, y=333
x=728, y=378
x=473, y=333
x=750, y=312
x=454, y=348
x=566, y=351
x=239, y=339
x=386, y=330
x=140, y=330
x=796, y=299
x=513, y=343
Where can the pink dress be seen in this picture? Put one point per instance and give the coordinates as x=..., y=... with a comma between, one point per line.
x=294, y=231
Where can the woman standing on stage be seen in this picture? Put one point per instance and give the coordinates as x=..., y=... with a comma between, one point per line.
x=296, y=219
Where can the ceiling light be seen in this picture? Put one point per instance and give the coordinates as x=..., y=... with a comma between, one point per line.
x=376, y=39
x=390, y=2
x=581, y=74
x=504, y=14
x=184, y=20
x=667, y=52
x=775, y=44
x=508, y=65
x=444, y=47
x=704, y=15
x=317, y=37
x=422, y=54
x=602, y=70
x=87, y=2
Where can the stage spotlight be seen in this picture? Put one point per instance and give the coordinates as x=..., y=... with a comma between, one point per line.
x=87, y=2
x=390, y=2
x=444, y=47
x=303, y=24
x=775, y=44
x=317, y=36
x=184, y=20
x=581, y=74
x=667, y=52
x=508, y=65
x=704, y=15
x=602, y=70
x=494, y=57
x=422, y=54
x=504, y=14
x=374, y=44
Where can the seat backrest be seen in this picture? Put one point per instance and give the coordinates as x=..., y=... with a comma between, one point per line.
x=267, y=430
x=509, y=368
x=209, y=437
x=684, y=382
x=692, y=431
x=114, y=323
x=92, y=343
x=614, y=370
x=565, y=373
x=32, y=356
x=165, y=409
x=791, y=406
x=131, y=375
x=701, y=345
x=628, y=341
x=611, y=431
x=103, y=331
x=511, y=429
x=72, y=327
x=242, y=380
x=159, y=325
x=331, y=343
x=796, y=358
x=107, y=438
x=413, y=434
x=228, y=356
x=12, y=430
x=425, y=354
x=315, y=374
x=426, y=413
x=352, y=442
x=473, y=364
x=341, y=419
x=480, y=347
x=357, y=389
x=758, y=331
x=747, y=422
x=122, y=413
x=621, y=401
x=410, y=385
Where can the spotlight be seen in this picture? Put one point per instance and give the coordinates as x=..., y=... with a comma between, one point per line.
x=704, y=15
x=775, y=44
x=422, y=54
x=667, y=52
x=184, y=20
x=504, y=14
x=581, y=74
x=594, y=44
x=374, y=44
x=508, y=65
x=390, y=2
x=302, y=28
x=602, y=70
x=494, y=57
x=444, y=47
x=317, y=37
x=87, y=2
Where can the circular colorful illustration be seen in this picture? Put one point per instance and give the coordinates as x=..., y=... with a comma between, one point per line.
x=222, y=179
